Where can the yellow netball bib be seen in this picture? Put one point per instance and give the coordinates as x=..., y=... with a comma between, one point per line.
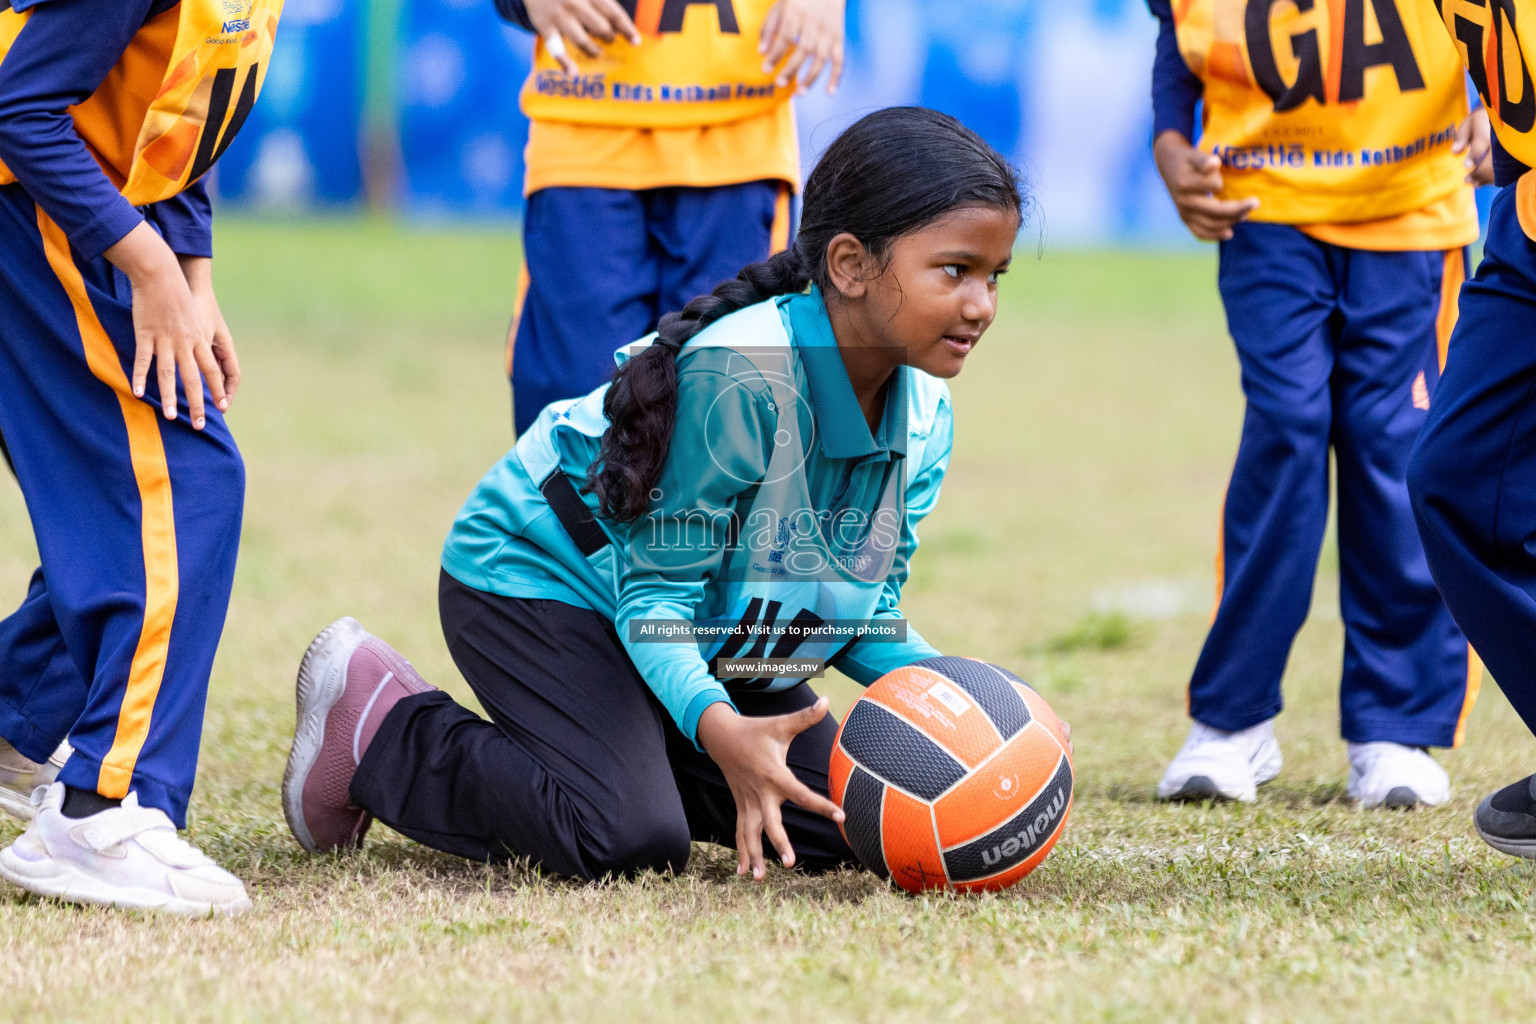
x=1497, y=39
x=1328, y=111
x=697, y=65
x=173, y=103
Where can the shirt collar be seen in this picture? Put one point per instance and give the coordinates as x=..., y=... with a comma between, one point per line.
x=844, y=432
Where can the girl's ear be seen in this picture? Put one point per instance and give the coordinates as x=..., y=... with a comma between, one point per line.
x=848, y=265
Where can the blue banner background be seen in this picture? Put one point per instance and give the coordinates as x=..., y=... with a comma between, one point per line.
x=1062, y=88
x=461, y=133
x=300, y=146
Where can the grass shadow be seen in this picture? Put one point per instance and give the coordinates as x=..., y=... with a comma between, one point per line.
x=280, y=867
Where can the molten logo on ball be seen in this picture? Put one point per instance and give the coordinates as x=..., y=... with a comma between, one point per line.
x=1029, y=837
x=937, y=797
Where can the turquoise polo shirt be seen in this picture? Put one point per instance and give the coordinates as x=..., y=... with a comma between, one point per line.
x=507, y=541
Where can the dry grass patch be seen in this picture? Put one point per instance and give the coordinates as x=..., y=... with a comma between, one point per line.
x=1073, y=544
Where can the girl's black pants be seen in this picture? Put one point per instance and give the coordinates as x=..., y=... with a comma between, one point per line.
x=579, y=769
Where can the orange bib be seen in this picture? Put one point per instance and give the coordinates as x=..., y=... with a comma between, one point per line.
x=176, y=98
x=1327, y=111
x=1497, y=38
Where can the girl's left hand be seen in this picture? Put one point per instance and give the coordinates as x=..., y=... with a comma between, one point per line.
x=811, y=33
x=199, y=274
x=1474, y=136
x=751, y=753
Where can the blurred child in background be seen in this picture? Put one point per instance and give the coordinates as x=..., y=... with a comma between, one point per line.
x=662, y=155
x=1335, y=174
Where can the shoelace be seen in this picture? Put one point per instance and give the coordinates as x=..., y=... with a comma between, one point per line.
x=1371, y=754
x=1206, y=736
x=1203, y=736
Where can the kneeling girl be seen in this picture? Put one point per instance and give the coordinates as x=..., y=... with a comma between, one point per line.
x=751, y=479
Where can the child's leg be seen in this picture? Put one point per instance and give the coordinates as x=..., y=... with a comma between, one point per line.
x=570, y=772
x=591, y=288
x=1471, y=474
x=1277, y=285
x=818, y=842
x=703, y=236
x=1405, y=662
x=137, y=520
x=41, y=689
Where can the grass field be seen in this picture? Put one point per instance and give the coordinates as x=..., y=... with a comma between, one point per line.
x=1074, y=543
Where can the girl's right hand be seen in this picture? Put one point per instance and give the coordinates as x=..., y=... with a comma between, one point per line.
x=1474, y=136
x=167, y=325
x=582, y=24
x=751, y=753
x=809, y=33
x=1193, y=176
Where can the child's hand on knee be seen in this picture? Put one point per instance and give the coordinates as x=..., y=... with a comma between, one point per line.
x=167, y=325
x=199, y=274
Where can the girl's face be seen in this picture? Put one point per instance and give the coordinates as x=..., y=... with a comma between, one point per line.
x=937, y=293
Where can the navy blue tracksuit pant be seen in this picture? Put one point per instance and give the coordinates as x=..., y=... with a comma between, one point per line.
x=137, y=520
x=1338, y=349
x=1473, y=474
x=603, y=265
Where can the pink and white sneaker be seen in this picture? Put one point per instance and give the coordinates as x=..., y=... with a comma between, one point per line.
x=348, y=682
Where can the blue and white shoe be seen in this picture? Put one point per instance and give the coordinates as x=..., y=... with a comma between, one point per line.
x=1392, y=775
x=1216, y=765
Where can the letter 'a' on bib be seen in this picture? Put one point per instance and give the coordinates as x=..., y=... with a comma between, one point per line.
x=1498, y=39
x=176, y=98
x=1327, y=111
x=697, y=65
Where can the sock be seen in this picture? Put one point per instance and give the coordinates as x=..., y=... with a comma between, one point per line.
x=82, y=803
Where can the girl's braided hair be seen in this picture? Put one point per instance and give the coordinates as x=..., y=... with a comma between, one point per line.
x=890, y=173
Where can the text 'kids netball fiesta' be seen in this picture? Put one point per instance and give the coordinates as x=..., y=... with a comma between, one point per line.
x=1473, y=473
x=762, y=460
x=662, y=154
x=1333, y=167
x=111, y=112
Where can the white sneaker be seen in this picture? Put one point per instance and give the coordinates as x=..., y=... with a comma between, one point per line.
x=1216, y=765
x=127, y=856
x=1385, y=774
x=20, y=777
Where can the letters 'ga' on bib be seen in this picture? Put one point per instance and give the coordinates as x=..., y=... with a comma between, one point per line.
x=697, y=65
x=1327, y=111
x=175, y=100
